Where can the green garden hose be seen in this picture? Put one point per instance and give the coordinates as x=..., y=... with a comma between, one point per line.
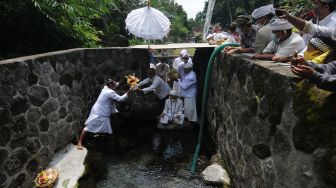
x=205, y=100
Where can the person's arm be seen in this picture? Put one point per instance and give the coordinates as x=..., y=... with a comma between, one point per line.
x=324, y=81
x=152, y=87
x=117, y=97
x=329, y=68
x=264, y=56
x=308, y=27
x=186, y=83
x=295, y=21
x=144, y=82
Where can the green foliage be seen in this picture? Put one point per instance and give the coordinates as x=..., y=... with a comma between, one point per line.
x=297, y=7
x=180, y=27
x=76, y=17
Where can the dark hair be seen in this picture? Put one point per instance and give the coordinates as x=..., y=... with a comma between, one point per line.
x=332, y=5
x=109, y=81
x=232, y=27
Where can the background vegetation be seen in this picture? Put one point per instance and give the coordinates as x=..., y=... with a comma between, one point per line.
x=37, y=26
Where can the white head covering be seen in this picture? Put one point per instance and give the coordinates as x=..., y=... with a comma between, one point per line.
x=173, y=92
x=152, y=66
x=280, y=24
x=187, y=65
x=263, y=11
x=209, y=36
x=183, y=51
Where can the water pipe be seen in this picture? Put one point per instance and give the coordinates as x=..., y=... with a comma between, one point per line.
x=205, y=100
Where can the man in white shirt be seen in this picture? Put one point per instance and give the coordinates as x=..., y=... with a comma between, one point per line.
x=284, y=42
x=324, y=10
x=162, y=69
x=99, y=118
x=158, y=86
x=178, y=61
x=263, y=16
x=180, y=70
x=173, y=110
x=188, y=87
x=310, y=28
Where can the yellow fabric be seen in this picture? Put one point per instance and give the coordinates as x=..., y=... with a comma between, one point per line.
x=310, y=55
x=320, y=59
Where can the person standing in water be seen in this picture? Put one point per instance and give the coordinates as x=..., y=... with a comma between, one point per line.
x=99, y=118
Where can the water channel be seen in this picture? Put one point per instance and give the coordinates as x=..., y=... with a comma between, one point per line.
x=143, y=156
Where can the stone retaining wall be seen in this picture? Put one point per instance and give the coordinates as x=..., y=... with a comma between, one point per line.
x=272, y=129
x=44, y=101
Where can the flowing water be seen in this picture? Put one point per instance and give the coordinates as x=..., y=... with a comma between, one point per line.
x=162, y=159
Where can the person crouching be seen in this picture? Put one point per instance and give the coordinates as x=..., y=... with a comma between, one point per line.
x=173, y=111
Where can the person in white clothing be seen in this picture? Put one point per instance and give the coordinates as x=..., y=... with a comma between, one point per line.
x=324, y=11
x=162, y=69
x=99, y=118
x=179, y=61
x=263, y=15
x=284, y=42
x=173, y=110
x=180, y=70
x=308, y=27
x=188, y=87
x=158, y=86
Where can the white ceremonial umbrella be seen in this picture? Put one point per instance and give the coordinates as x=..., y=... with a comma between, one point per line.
x=147, y=23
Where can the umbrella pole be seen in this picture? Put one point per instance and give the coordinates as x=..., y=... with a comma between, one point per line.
x=148, y=3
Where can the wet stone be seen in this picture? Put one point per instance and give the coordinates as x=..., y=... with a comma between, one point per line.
x=19, y=105
x=5, y=135
x=20, y=124
x=33, y=145
x=262, y=151
x=37, y=95
x=46, y=67
x=44, y=125
x=32, y=130
x=4, y=116
x=33, y=165
x=3, y=179
x=53, y=117
x=3, y=155
x=33, y=115
x=66, y=79
x=44, y=80
x=18, y=181
x=44, y=139
x=32, y=78
x=55, y=77
x=16, y=161
x=49, y=106
x=18, y=140
x=55, y=90
x=62, y=112
x=76, y=114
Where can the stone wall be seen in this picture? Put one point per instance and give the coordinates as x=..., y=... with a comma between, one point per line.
x=272, y=129
x=44, y=101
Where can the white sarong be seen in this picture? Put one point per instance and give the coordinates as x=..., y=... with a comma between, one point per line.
x=98, y=124
x=190, y=108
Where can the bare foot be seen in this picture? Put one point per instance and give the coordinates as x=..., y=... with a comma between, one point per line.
x=79, y=146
